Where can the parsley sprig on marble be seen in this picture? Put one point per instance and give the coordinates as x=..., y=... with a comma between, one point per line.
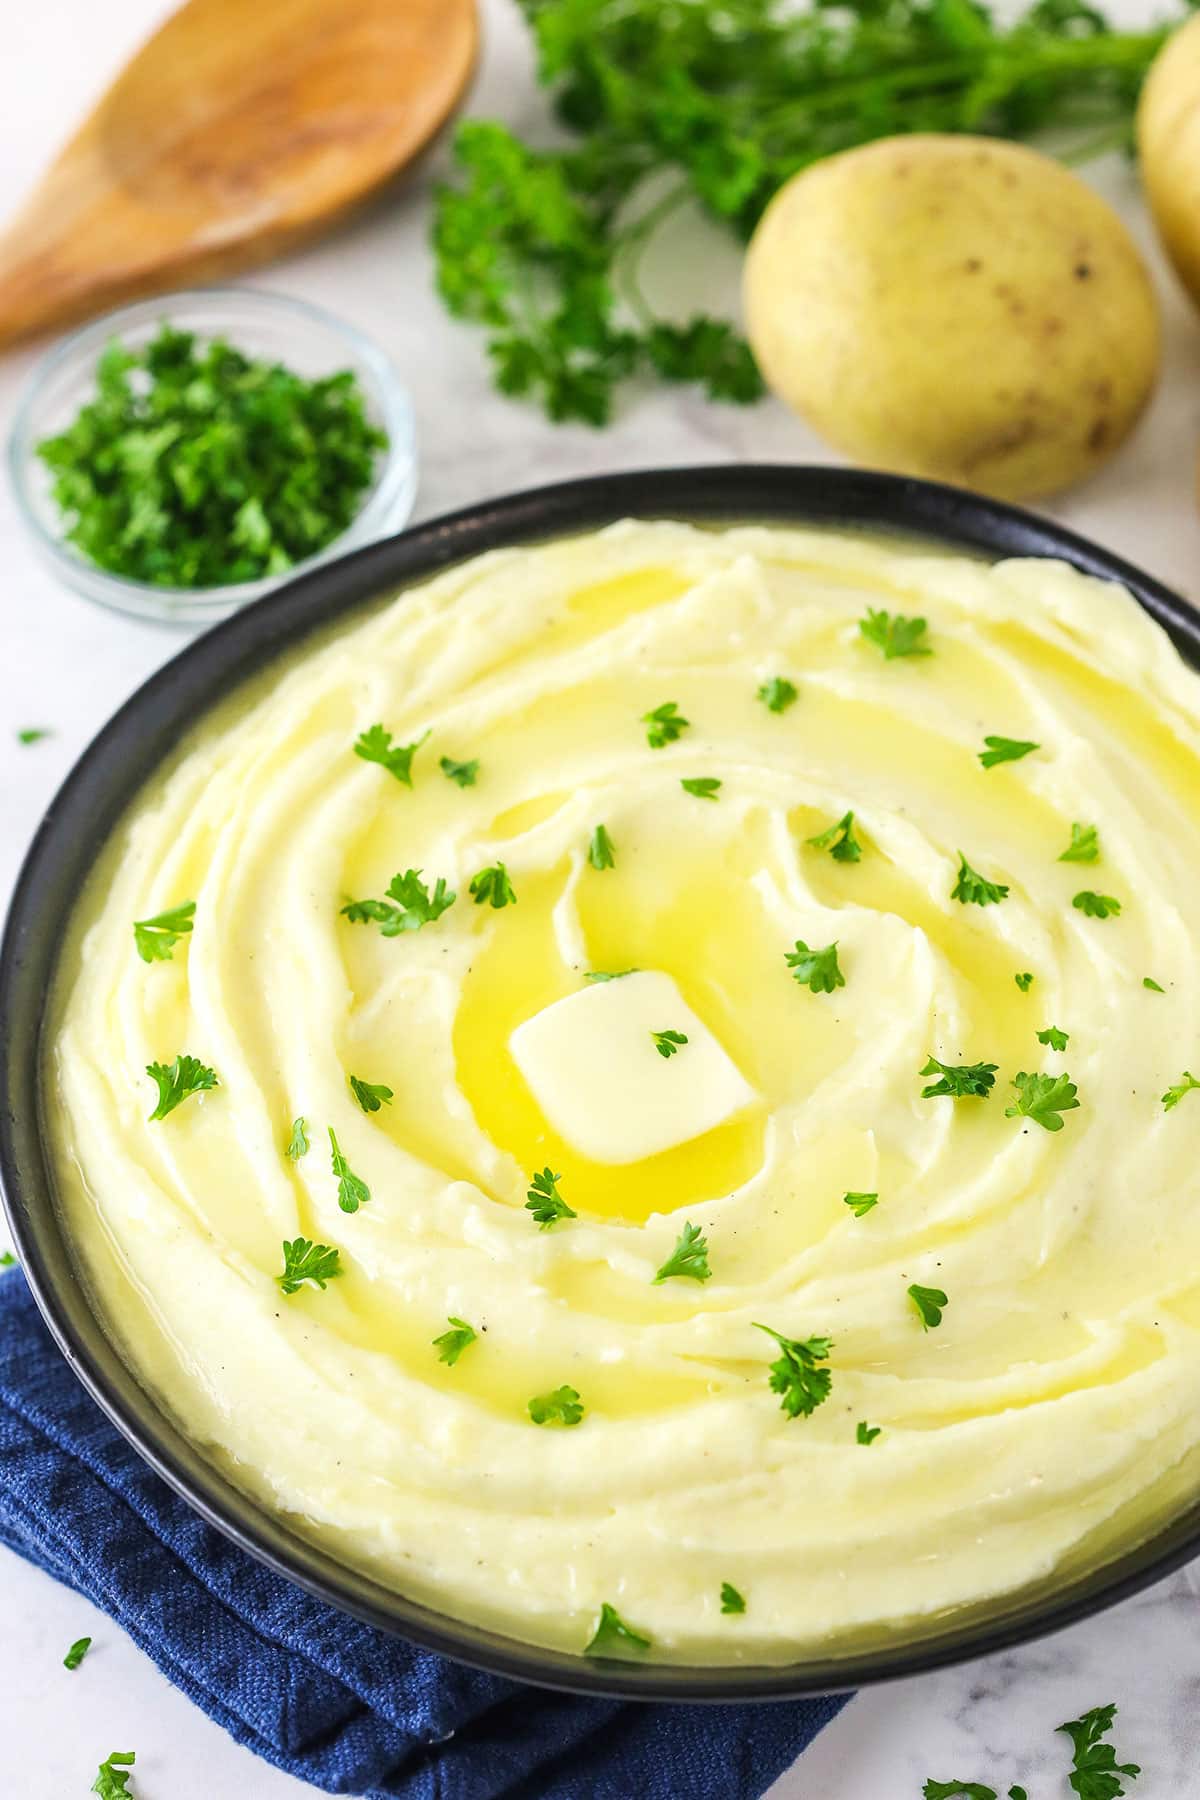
x=113, y=1776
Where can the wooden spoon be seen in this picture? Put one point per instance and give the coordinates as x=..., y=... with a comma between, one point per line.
x=242, y=127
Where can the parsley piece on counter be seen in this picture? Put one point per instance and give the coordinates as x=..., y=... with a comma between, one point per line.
x=778, y=694
x=1017, y=1793
x=466, y=774
x=33, y=734
x=731, y=1600
x=839, y=840
x=112, y=1782
x=929, y=1302
x=601, y=853
x=1096, y=906
x=370, y=1096
x=609, y=974
x=866, y=1434
x=77, y=1652
x=961, y=1081
x=704, y=787
x=1056, y=1039
x=971, y=888
x=1024, y=981
x=353, y=1192
x=1147, y=982
x=612, y=1636
x=1084, y=845
x=818, y=970
x=860, y=1204
x=413, y=906
x=796, y=1374
x=664, y=725
x=305, y=1261
x=1002, y=750
x=1043, y=1098
x=298, y=1142
x=689, y=1257
x=452, y=1343
x=667, y=1042
x=492, y=887
x=156, y=938
x=957, y=1790
x=178, y=1081
x=562, y=1407
x=894, y=634
x=375, y=746
x=545, y=1202
x=1174, y=1095
x=7, y=1260
x=1096, y=1773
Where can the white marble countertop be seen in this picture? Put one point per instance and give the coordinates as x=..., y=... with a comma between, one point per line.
x=66, y=665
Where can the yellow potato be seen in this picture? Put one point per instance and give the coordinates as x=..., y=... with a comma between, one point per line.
x=954, y=307
x=1169, y=144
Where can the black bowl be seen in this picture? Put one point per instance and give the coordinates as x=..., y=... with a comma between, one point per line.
x=128, y=751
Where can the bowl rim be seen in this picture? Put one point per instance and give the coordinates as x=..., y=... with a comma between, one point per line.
x=106, y=778
x=395, y=470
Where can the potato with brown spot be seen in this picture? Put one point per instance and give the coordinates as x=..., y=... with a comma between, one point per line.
x=954, y=307
x=1168, y=130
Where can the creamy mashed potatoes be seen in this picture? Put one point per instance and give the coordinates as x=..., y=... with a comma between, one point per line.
x=1059, y=1391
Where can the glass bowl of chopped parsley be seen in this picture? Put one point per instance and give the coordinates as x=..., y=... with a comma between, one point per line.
x=185, y=455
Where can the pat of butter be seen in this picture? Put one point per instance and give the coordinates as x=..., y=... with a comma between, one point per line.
x=595, y=1071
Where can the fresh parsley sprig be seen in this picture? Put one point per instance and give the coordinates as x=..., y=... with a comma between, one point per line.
x=1043, y=1098
x=561, y=1407
x=1054, y=1038
x=731, y=1600
x=703, y=787
x=297, y=1144
x=894, y=634
x=601, y=852
x=1096, y=906
x=375, y=745
x=664, y=724
x=613, y=1637
x=930, y=1303
x=866, y=1434
x=178, y=1081
x=668, y=1043
x=1003, y=749
x=817, y=970
x=1084, y=846
x=1096, y=1773
x=492, y=887
x=353, y=1191
x=860, y=1204
x=370, y=1095
x=1174, y=1094
x=778, y=694
x=839, y=840
x=544, y=1200
x=689, y=1257
x=408, y=907
x=451, y=1344
x=961, y=1081
x=113, y=1777
x=305, y=1261
x=156, y=938
x=77, y=1652
x=797, y=1375
x=464, y=774
x=972, y=889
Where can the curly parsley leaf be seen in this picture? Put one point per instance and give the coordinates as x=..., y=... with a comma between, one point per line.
x=860, y=1204
x=492, y=887
x=796, y=1374
x=601, y=853
x=1024, y=981
x=77, y=1652
x=894, y=634
x=408, y=907
x=866, y=1434
x=961, y=1081
x=297, y=1145
x=1002, y=750
x=375, y=746
x=156, y=938
x=177, y=1081
x=704, y=787
x=972, y=889
x=689, y=1257
x=1096, y=906
x=731, y=1600
x=451, y=1344
x=1175, y=1093
x=1084, y=846
x=1096, y=1775
x=545, y=1202
x=305, y=1261
x=929, y=1303
x=818, y=970
x=613, y=1637
x=562, y=1407
x=667, y=1043
x=353, y=1192
x=839, y=840
x=113, y=1778
x=664, y=725
x=1056, y=1039
x=778, y=694
x=369, y=1095
x=465, y=774
x=1043, y=1098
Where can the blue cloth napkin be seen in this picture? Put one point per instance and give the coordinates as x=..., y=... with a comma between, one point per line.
x=332, y=1701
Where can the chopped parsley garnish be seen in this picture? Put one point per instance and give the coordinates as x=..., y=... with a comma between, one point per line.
x=545, y=1202
x=451, y=1344
x=818, y=970
x=1187, y=1081
x=609, y=974
x=1148, y=982
x=466, y=774
x=860, y=1204
x=796, y=1374
x=305, y=1261
x=1096, y=906
x=866, y=1434
x=370, y=1096
x=689, y=1257
x=613, y=1637
x=194, y=465
x=894, y=634
x=667, y=1043
x=562, y=1407
x=112, y=1777
x=1056, y=1039
x=839, y=840
x=929, y=1302
x=1024, y=981
x=1084, y=845
x=297, y=1145
x=1043, y=1098
x=353, y=1192
x=156, y=938
x=77, y=1652
x=601, y=854
x=971, y=888
x=778, y=694
x=961, y=1081
x=704, y=787
x=731, y=1600
x=409, y=905
x=1096, y=1773
x=375, y=745
x=177, y=1081
x=664, y=725
x=33, y=734
x=492, y=887
x=7, y=1260
x=1002, y=750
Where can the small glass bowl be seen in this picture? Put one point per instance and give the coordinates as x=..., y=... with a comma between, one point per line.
x=306, y=338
